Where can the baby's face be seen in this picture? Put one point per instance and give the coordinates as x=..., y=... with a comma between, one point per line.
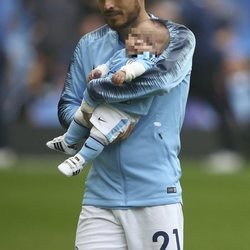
x=139, y=42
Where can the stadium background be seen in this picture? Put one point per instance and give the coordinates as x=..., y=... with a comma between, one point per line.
x=38, y=206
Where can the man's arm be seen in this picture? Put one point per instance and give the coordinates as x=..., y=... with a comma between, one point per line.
x=172, y=67
x=74, y=86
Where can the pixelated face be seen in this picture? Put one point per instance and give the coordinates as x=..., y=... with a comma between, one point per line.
x=140, y=41
x=119, y=14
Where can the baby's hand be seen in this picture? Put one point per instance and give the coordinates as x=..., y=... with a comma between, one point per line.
x=119, y=77
x=94, y=74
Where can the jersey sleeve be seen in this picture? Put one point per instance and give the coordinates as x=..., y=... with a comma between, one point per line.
x=74, y=85
x=104, y=68
x=136, y=67
x=133, y=70
x=171, y=68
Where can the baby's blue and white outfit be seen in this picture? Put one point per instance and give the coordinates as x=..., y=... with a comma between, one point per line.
x=111, y=121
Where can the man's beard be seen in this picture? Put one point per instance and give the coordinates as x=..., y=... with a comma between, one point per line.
x=130, y=20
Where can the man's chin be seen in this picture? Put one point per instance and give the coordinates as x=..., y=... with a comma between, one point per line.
x=116, y=25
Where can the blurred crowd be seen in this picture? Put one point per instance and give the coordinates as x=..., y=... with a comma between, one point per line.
x=37, y=39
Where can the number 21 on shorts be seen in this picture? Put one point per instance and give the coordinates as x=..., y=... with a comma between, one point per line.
x=165, y=237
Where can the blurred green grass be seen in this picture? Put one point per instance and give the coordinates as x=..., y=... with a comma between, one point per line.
x=39, y=207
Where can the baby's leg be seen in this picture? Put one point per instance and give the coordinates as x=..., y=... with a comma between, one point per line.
x=94, y=145
x=77, y=130
x=108, y=125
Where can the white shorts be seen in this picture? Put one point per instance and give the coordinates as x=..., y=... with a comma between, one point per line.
x=111, y=122
x=150, y=228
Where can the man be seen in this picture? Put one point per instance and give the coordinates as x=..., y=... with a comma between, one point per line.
x=133, y=194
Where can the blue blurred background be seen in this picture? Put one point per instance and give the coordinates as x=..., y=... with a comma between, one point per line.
x=37, y=39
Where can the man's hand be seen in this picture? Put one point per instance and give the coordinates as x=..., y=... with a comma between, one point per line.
x=119, y=77
x=124, y=135
x=94, y=74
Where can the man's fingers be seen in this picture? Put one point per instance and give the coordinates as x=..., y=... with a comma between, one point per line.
x=124, y=135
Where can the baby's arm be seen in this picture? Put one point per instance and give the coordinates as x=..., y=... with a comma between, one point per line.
x=119, y=77
x=99, y=71
x=128, y=72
